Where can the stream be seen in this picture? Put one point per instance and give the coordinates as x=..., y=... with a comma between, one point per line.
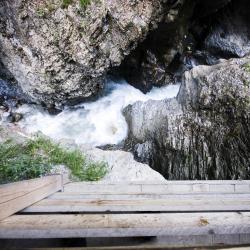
x=95, y=123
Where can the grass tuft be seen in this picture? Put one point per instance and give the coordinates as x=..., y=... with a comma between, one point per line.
x=83, y=3
x=246, y=66
x=36, y=158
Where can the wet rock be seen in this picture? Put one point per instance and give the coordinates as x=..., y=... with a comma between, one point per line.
x=143, y=152
x=153, y=62
x=62, y=53
x=204, y=133
x=230, y=32
x=53, y=110
x=175, y=46
x=15, y=117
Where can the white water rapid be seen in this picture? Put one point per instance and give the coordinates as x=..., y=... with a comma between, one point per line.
x=96, y=123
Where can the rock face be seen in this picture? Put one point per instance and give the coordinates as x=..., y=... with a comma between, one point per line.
x=204, y=133
x=150, y=64
x=61, y=53
x=198, y=32
x=229, y=33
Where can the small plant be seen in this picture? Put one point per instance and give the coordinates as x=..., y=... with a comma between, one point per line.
x=36, y=158
x=17, y=163
x=246, y=66
x=93, y=171
x=84, y=3
x=41, y=12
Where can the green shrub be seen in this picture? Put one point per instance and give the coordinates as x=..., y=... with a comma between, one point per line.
x=36, y=158
x=246, y=66
x=93, y=171
x=41, y=12
x=84, y=3
x=17, y=163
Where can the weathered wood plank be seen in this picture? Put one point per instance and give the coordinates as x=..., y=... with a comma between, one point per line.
x=12, y=190
x=125, y=225
x=208, y=196
x=151, y=247
x=171, y=203
x=105, y=188
x=181, y=182
x=16, y=196
x=168, y=188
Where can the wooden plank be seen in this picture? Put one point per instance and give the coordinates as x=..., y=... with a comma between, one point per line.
x=150, y=247
x=79, y=196
x=178, y=182
x=104, y=188
x=17, y=196
x=171, y=203
x=169, y=188
x=125, y=225
x=12, y=190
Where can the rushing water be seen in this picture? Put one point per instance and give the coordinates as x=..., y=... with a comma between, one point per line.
x=95, y=123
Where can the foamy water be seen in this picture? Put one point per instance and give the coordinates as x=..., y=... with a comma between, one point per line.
x=95, y=123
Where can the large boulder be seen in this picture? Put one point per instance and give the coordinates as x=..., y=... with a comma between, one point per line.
x=59, y=51
x=204, y=133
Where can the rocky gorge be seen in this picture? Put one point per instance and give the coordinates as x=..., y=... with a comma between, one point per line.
x=61, y=55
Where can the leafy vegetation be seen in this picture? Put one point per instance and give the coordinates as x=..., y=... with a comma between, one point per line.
x=36, y=158
x=83, y=3
x=246, y=66
x=47, y=7
x=18, y=163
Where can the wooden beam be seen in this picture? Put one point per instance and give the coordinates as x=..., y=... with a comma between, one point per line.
x=17, y=196
x=172, y=203
x=171, y=187
x=124, y=225
x=149, y=247
x=79, y=196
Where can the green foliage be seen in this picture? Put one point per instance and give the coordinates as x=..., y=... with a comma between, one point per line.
x=246, y=66
x=92, y=171
x=36, y=158
x=41, y=12
x=18, y=163
x=84, y=3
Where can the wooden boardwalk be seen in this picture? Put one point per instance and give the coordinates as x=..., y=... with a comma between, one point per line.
x=205, y=212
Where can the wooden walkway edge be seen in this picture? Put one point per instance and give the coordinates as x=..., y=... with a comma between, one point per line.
x=16, y=196
x=207, y=212
x=124, y=225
